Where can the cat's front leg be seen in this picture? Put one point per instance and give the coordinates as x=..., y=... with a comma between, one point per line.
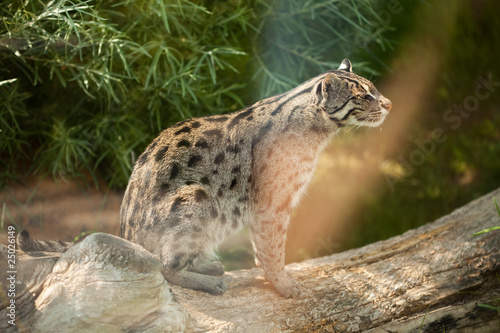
x=268, y=238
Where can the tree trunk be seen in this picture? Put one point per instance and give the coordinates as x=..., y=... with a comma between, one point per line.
x=431, y=279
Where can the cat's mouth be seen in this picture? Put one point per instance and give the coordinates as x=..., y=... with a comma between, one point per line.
x=374, y=118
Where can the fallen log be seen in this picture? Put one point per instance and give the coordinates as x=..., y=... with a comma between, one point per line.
x=431, y=279
x=102, y=284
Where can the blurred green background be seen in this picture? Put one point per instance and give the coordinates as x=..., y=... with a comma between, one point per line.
x=86, y=85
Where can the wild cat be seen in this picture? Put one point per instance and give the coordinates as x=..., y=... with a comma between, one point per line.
x=203, y=179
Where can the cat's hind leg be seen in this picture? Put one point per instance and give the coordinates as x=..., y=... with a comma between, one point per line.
x=188, y=236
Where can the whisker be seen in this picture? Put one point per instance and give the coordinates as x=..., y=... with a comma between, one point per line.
x=373, y=73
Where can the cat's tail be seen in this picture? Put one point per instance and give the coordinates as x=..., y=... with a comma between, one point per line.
x=27, y=244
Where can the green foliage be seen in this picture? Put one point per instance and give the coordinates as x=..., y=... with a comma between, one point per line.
x=492, y=300
x=487, y=306
x=492, y=228
x=68, y=67
x=302, y=38
x=13, y=113
x=423, y=319
x=85, y=85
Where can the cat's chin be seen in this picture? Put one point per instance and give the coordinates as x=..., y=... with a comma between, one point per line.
x=378, y=119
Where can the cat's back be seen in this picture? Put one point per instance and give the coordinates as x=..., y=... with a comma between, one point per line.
x=213, y=151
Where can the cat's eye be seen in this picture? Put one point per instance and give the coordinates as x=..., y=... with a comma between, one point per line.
x=369, y=97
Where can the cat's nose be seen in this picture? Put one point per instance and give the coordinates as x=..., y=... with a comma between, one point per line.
x=386, y=104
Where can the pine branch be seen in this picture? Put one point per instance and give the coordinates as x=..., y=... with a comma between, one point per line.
x=152, y=63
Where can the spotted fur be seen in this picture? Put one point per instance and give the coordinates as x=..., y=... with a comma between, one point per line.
x=205, y=178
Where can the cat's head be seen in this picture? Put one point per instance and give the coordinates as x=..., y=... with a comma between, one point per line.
x=349, y=99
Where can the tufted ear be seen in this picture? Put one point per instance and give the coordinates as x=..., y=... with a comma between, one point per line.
x=345, y=66
x=328, y=86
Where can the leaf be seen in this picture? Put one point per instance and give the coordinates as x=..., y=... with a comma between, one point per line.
x=493, y=228
x=486, y=230
x=489, y=306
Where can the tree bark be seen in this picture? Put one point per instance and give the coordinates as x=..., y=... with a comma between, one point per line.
x=102, y=284
x=431, y=279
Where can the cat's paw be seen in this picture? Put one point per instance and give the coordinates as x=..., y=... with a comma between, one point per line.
x=217, y=288
x=286, y=285
x=210, y=284
x=206, y=267
x=217, y=269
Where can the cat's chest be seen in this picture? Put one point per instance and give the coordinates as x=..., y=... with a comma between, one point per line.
x=283, y=168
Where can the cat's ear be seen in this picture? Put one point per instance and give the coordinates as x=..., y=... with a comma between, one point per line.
x=345, y=66
x=328, y=86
